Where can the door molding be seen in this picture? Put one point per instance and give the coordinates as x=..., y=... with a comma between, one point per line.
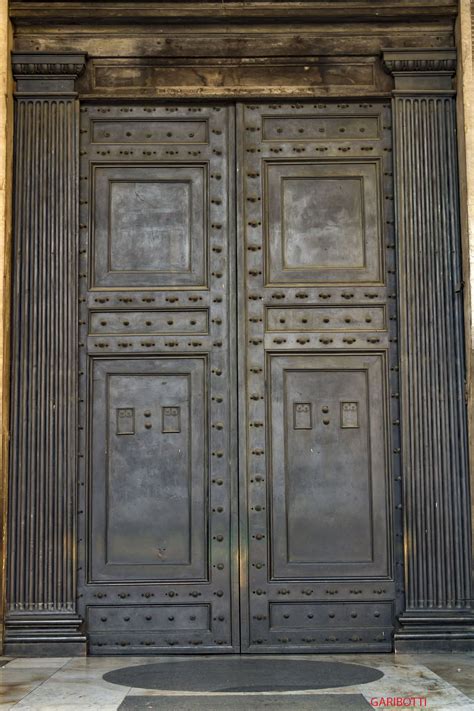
x=41, y=589
x=434, y=453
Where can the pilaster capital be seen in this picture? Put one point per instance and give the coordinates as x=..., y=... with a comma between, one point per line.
x=47, y=73
x=421, y=70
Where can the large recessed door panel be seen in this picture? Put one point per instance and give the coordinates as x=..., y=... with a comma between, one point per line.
x=322, y=223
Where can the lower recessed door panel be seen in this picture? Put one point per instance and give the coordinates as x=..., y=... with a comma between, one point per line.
x=328, y=487
x=149, y=482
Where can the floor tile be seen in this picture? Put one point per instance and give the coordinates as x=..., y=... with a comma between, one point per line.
x=38, y=663
x=329, y=702
x=455, y=669
x=17, y=683
x=84, y=695
x=106, y=663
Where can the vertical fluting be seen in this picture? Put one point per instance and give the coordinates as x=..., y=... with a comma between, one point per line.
x=43, y=456
x=435, y=467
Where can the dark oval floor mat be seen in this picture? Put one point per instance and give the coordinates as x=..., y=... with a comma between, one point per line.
x=243, y=675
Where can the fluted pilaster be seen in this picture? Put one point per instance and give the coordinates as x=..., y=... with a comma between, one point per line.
x=432, y=369
x=41, y=595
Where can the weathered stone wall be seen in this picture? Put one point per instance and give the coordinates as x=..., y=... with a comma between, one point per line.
x=5, y=222
x=465, y=41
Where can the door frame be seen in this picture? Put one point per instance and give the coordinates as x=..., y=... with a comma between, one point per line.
x=410, y=76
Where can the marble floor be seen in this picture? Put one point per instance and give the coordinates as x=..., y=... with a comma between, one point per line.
x=433, y=681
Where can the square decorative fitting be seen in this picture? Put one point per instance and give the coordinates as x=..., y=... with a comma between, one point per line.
x=421, y=69
x=47, y=73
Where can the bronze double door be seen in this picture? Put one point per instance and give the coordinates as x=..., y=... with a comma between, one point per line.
x=238, y=363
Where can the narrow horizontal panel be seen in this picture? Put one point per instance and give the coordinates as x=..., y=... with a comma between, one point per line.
x=149, y=618
x=149, y=321
x=107, y=75
x=313, y=615
x=327, y=318
x=149, y=343
x=320, y=128
x=154, y=131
